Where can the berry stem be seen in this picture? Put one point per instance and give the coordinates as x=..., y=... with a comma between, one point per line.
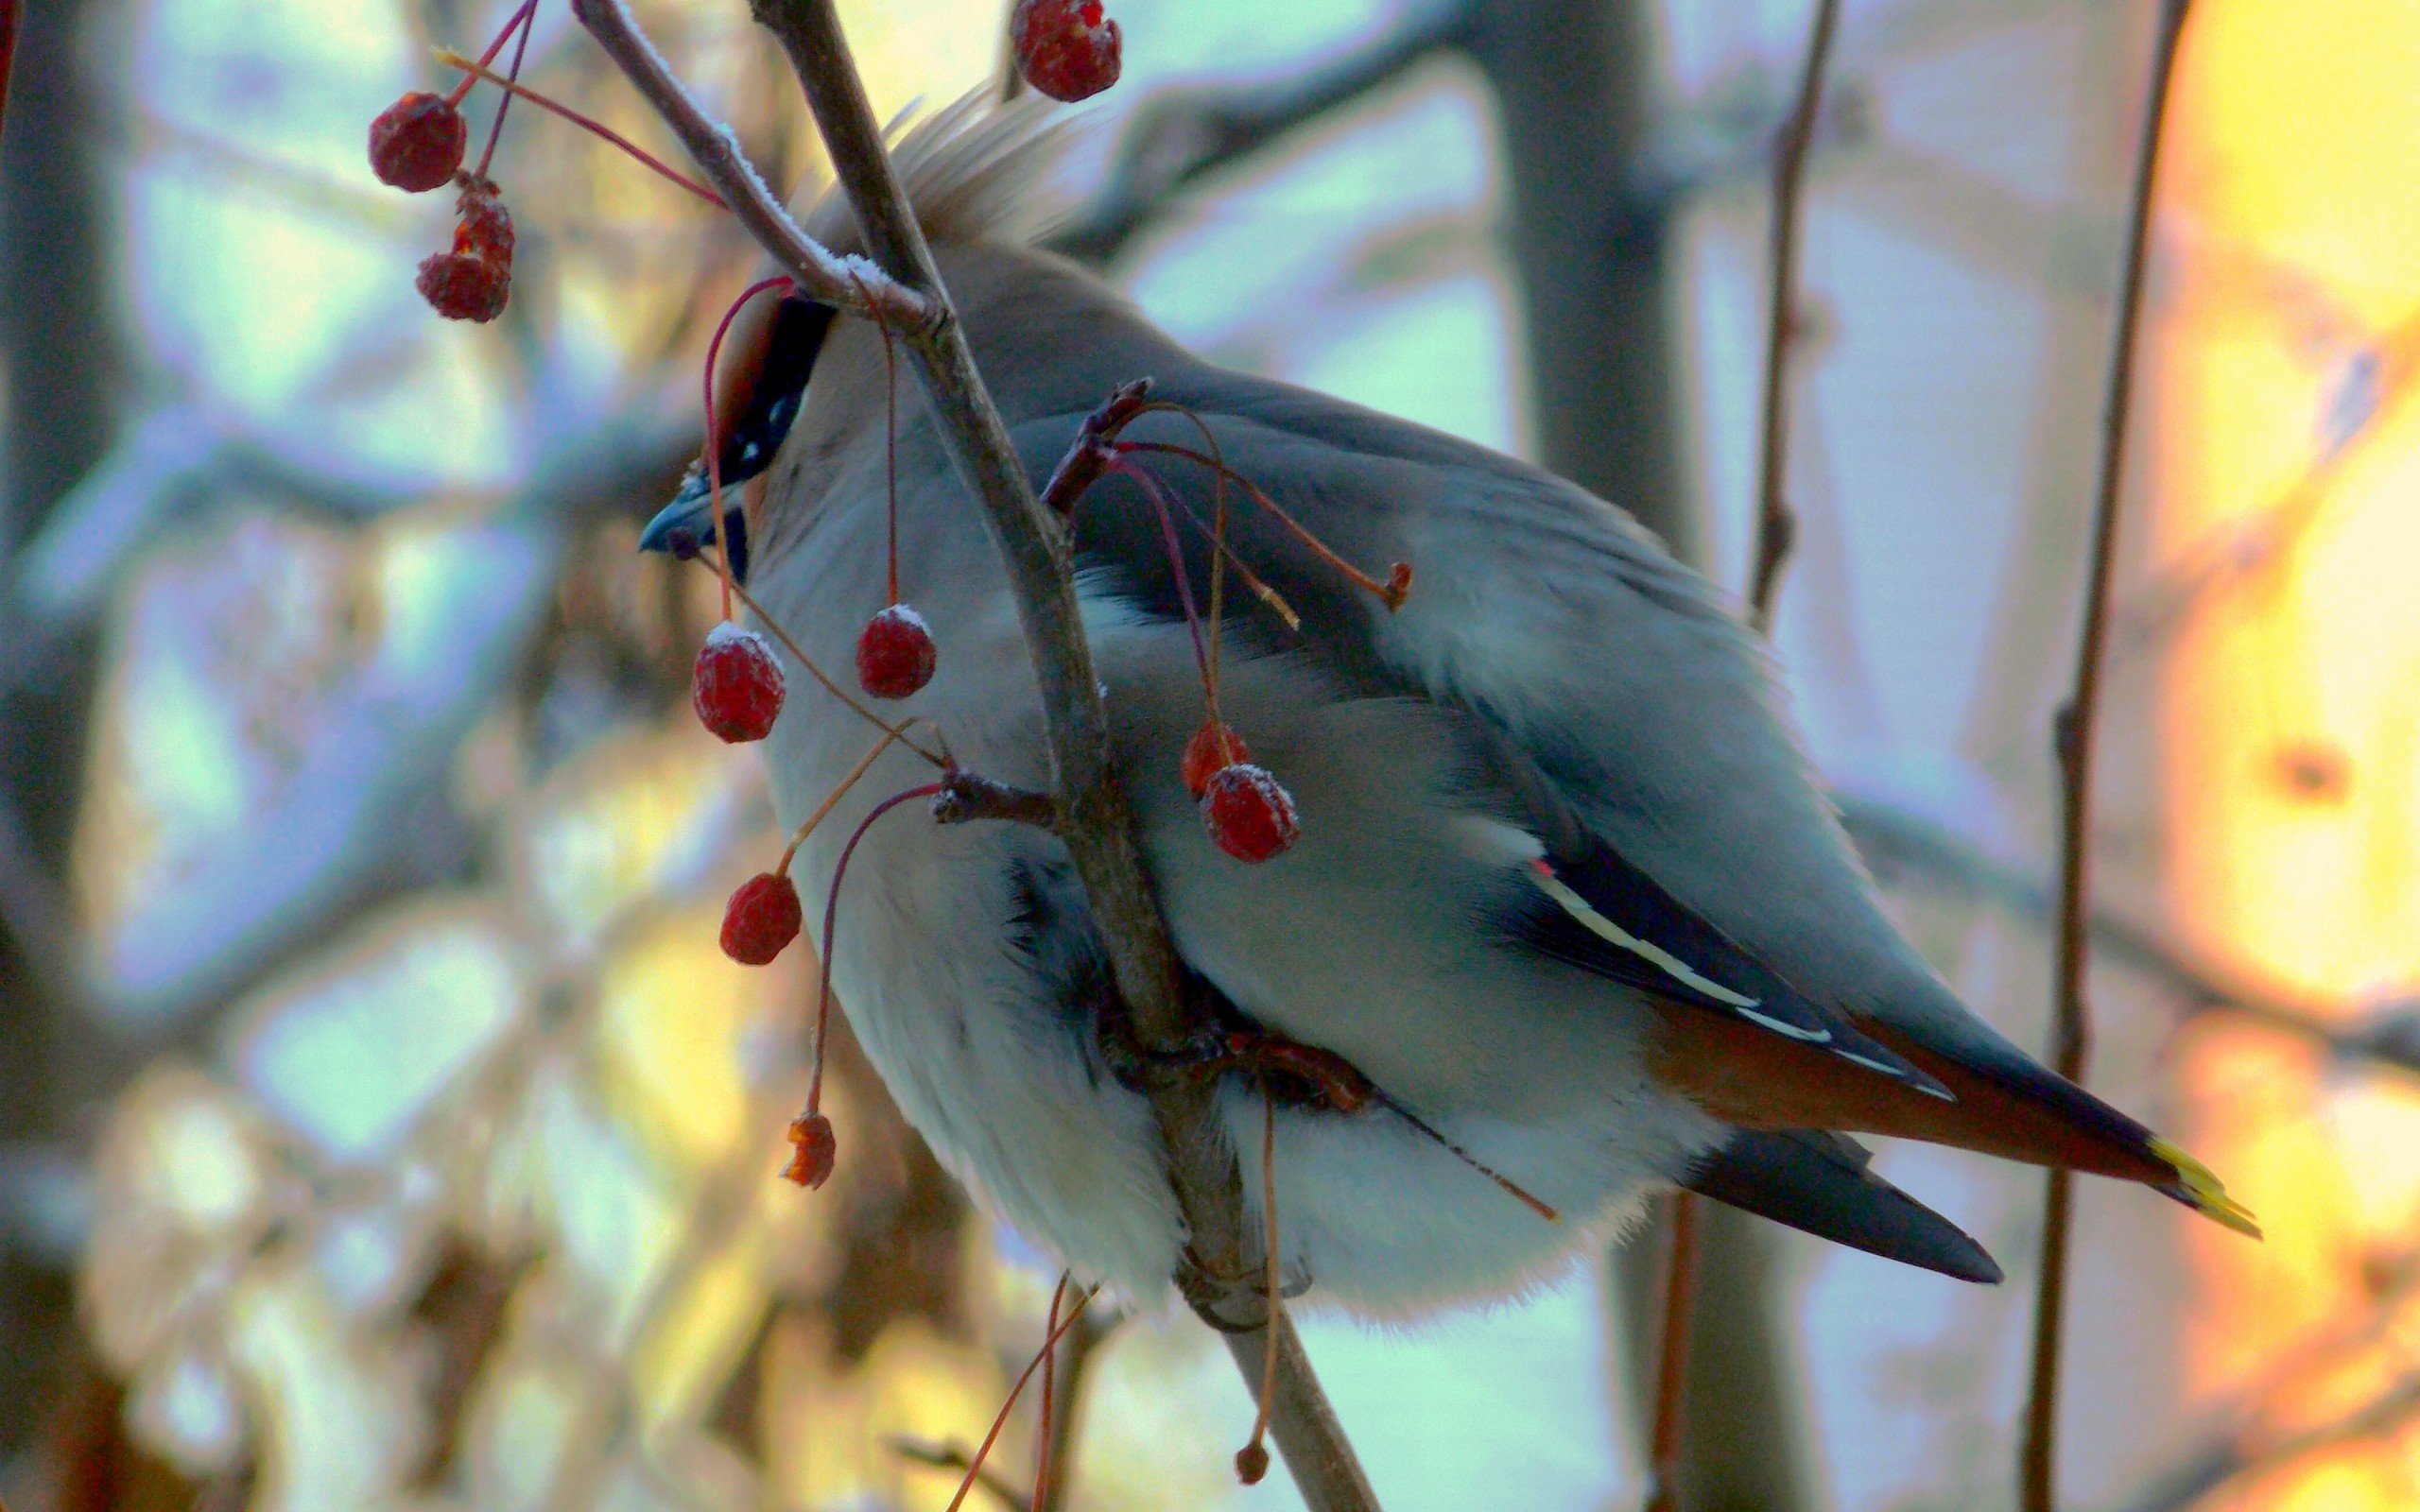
x=983, y=1453
x=473, y=72
x=832, y=800
x=1392, y=592
x=1049, y=1389
x=1253, y=1449
x=1153, y=490
x=832, y=917
x=478, y=70
x=898, y=732
x=890, y=443
x=512, y=80
x=713, y=435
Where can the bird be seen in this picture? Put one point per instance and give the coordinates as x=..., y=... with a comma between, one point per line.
x=1567, y=900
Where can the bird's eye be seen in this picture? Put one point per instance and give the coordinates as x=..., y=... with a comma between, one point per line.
x=768, y=358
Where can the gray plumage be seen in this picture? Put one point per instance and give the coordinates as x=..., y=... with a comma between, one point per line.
x=1555, y=688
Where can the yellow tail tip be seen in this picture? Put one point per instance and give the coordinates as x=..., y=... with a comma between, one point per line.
x=2202, y=1191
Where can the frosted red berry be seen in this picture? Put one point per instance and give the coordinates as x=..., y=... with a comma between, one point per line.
x=1249, y=816
x=1067, y=49
x=464, y=289
x=736, y=687
x=416, y=144
x=1204, y=754
x=761, y=920
x=895, y=653
x=814, y=1148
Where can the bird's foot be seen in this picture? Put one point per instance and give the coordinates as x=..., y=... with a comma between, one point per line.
x=1298, y=1075
x=1233, y=1304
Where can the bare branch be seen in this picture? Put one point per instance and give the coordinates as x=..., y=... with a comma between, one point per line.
x=954, y=1456
x=1673, y=1356
x=1317, y=1454
x=2229, y=1456
x=1776, y=526
x=11, y=16
x=1175, y=139
x=36, y=916
x=966, y=795
x=852, y=284
x=1094, y=821
x=2038, y=1457
x=1066, y=1400
x=1892, y=839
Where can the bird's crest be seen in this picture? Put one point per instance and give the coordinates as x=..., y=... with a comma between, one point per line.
x=977, y=170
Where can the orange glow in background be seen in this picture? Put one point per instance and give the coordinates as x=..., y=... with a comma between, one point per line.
x=2282, y=608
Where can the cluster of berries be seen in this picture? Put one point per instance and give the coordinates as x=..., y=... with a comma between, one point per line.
x=417, y=145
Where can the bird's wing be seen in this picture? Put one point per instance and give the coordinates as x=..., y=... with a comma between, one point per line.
x=1669, y=793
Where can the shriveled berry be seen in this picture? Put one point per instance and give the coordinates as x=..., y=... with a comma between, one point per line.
x=1204, y=754
x=1252, y=1463
x=484, y=226
x=761, y=920
x=464, y=289
x=416, y=144
x=1067, y=49
x=811, y=1161
x=1249, y=816
x=895, y=653
x=736, y=687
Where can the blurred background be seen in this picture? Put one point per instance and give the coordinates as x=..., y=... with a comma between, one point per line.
x=380, y=1126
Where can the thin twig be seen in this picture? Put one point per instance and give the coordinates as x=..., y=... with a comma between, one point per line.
x=1316, y=1452
x=11, y=18
x=1776, y=530
x=1076, y=1357
x=1673, y=1356
x=2073, y=743
x=475, y=69
x=955, y=1456
x=1096, y=822
x=849, y=284
x=1776, y=526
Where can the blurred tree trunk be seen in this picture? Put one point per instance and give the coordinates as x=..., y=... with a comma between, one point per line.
x=1578, y=89
x=61, y=376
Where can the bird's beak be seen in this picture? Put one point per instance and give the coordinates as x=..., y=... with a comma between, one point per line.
x=686, y=524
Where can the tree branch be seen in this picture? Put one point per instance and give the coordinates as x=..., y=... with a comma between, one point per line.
x=11, y=16
x=2076, y=726
x=1776, y=526
x=852, y=284
x=1176, y=138
x=2387, y=1038
x=1095, y=820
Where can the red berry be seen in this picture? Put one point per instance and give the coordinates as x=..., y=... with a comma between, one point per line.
x=416, y=144
x=1252, y=1463
x=737, y=686
x=1066, y=48
x=1204, y=754
x=895, y=653
x=811, y=1163
x=464, y=289
x=1248, y=813
x=761, y=920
